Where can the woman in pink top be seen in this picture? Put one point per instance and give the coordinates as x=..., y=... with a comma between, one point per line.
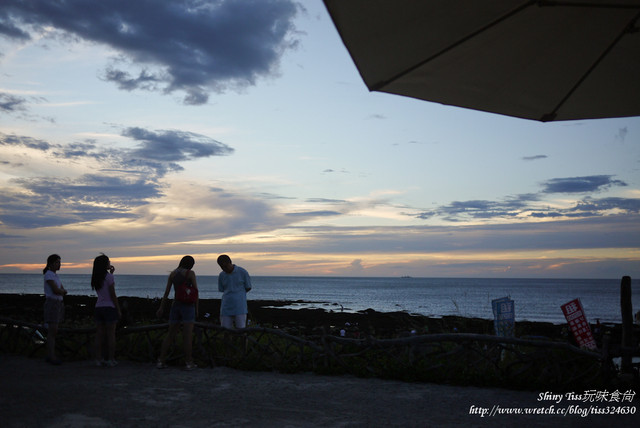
x=107, y=312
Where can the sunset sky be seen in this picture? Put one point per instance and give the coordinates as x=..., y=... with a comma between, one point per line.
x=148, y=130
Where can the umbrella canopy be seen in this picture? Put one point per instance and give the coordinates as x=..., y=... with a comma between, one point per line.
x=541, y=60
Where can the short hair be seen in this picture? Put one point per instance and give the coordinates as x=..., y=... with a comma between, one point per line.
x=187, y=262
x=224, y=259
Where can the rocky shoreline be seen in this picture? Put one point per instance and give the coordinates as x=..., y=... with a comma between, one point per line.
x=281, y=314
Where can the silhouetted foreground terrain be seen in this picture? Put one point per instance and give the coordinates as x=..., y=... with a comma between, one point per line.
x=272, y=313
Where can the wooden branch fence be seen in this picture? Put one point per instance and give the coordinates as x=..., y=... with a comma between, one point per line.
x=464, y=359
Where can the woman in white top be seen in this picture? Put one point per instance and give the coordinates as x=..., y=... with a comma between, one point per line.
x=53, y=305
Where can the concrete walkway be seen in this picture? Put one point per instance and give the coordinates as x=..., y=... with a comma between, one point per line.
x=78, y=394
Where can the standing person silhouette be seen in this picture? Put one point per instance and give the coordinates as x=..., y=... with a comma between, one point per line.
x=107, y=311
x=181, y=312
x=53, y=305
x=234, y=283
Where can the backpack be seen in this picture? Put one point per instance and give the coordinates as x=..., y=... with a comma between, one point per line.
x=186, y=293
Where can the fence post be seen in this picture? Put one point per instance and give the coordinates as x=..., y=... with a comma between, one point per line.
x=626, y=310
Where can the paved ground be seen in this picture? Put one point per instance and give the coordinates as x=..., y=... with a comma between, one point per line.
x=77, y=394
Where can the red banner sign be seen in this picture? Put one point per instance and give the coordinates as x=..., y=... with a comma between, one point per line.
x=574, y=313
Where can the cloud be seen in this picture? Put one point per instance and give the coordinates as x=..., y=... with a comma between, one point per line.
x=425, y=215
x=174, y=146
x=11, y=103
x=312, y=214
x=93, y=188
x=590, y=207
x=589, y=233
x=126, y=179
x=481, y=209
x=622, y=134
x=265, y=195
x=325, y=201
x=10, y=29
x=157, y=152
x=532, y=158
x=45, y=202
x=529, y=205
x=591, y=183
x=192, y=46
x=415, y=143
x=628, y=205
x=476, y=209
x=355, y=268
x=19, y=106
x=7, y=236
x=24, y=141
x=330, y=171
x=112, y=159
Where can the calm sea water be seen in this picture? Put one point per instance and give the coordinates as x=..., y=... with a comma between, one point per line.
x=535, y=299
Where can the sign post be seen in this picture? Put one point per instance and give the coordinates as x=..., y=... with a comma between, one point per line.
x=574, y=313
x=504, y=316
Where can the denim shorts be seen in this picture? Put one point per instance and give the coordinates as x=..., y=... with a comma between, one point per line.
x=106, y=314
x=182, y=312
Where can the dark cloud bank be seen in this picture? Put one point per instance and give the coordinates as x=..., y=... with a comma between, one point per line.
x=530, y=204
x=129, y=178
x=193, y=46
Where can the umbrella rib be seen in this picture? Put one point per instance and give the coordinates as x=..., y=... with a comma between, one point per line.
x=588, y=4
x=378, y=86
x=628, y=29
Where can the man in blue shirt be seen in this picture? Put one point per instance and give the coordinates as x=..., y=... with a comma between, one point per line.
x=234, y=283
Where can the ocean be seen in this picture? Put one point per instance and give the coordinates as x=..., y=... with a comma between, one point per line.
x=535, y=299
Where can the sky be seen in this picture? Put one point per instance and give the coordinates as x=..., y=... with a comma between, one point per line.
x=148, y=130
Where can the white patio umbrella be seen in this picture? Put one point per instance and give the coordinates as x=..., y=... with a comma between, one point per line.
x=541, y=60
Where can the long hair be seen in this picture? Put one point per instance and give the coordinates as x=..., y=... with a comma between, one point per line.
x=187, y=262
x=100, y=266
x=50, y=260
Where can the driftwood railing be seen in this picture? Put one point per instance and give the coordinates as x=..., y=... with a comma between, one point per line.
x=468, y=359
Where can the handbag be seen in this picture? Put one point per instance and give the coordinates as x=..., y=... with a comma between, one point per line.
x=186, y=293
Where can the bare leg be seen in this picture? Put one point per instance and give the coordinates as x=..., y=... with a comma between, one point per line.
x=226, y=321
x=241, y=321
x=100, y=331
x=169, y=338
x=111, y=340
x=51, y=341
x=187, y=333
